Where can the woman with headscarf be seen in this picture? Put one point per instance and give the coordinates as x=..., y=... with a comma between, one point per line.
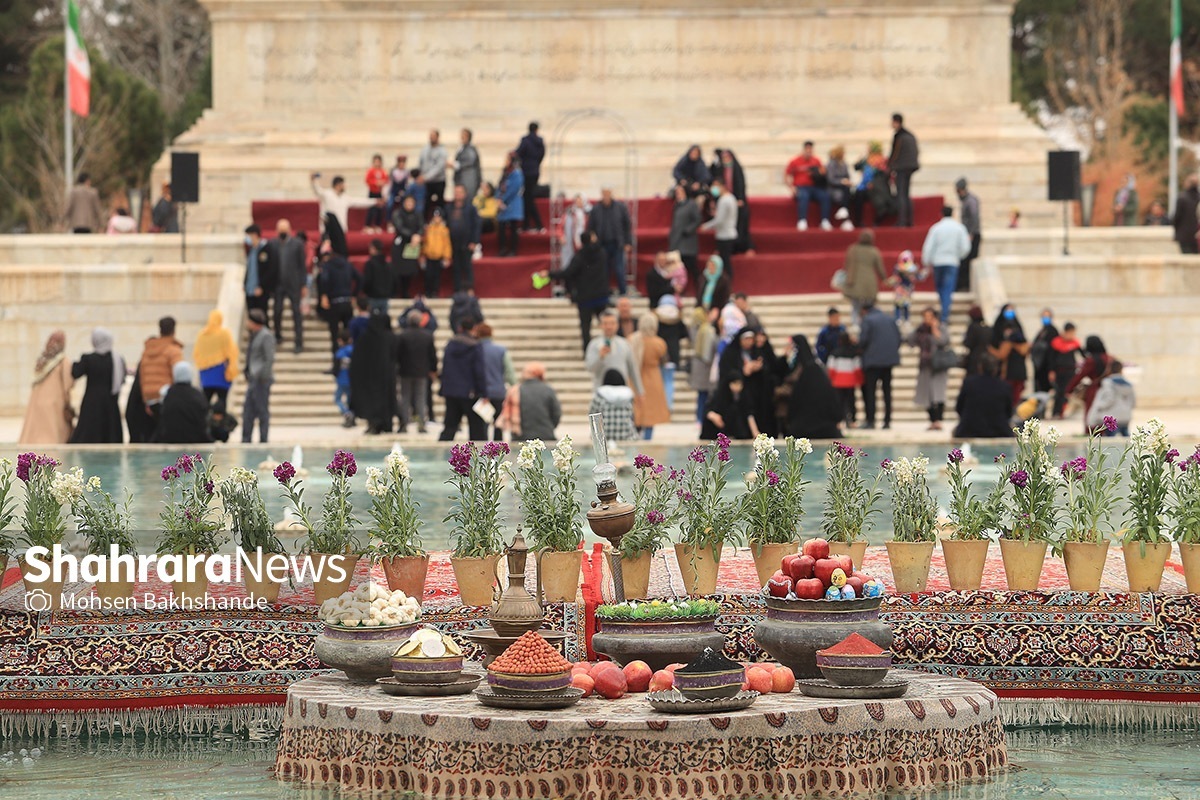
x=373, y=375
x=811, y=406
x=510, y=190
x=728, y=168
x=1095, y=368
x=668, y=278
x=49, y=416
x=650, y=354
x=99, y=413
x=184, y=415
x=216, y=357
x=976, y=340
x=728, y=411
x=704, y=355
x=1010, y=347
x=751, y=355
x=713, y=287
x=691, y=173
x=613, y=401
x=929, y=337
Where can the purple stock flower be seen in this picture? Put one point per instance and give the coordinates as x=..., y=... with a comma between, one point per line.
x=843, y=450
x=723, y=455
x=955, y=456
x=184, y=463
x=189, y=515
x=885, y=464
x=1019, y=478
x=1075, y=468
x=460, y=458
x=169, y=473
x=659, y=469
x=343, y=463
x=285, y=472
x=643, y=461
x=1110, y=424
x=495, y=449
x=698, y=455
x=24, y=462
x=862, y=453
x=684, y=495
x=722, y=441
x=655, y=517
x=1172, y=454
x=208, y=487
x=772, y=478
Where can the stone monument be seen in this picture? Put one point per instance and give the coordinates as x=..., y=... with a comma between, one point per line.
x=319, y=85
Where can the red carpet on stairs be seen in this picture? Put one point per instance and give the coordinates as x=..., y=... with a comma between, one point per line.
x=787, y=261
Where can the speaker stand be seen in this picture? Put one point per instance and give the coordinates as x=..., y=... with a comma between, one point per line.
x=183, y=234
x=1066, y=243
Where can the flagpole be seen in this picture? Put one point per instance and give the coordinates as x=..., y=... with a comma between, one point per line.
x=1173, y=162
x=1174, y=101
x=68, y=133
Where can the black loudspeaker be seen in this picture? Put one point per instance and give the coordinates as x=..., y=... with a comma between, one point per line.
x=185, y=177
x=1063, y=175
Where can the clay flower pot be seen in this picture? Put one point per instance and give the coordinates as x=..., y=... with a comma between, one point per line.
x=558, y=575
x=326, y=587
x=1190, y=555
x=698, y=568
x=52, y=589
x=1023, y=563
x=114, y=591
x=635, y=573
x=1085, y=564
x=856, y=550
x=406, y=573
x=264, y=587
x=1144, y=564
x=476, y=579
x=767, y=558
x=965, y=560
x=910, y=565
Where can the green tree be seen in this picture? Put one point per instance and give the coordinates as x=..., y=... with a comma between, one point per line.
x=116, y=144
x=21, y=26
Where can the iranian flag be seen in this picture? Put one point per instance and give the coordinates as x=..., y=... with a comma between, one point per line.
x=1176, y=58
x=79, y=71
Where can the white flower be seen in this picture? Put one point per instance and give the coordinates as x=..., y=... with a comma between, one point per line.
x=920, y=466
x=763, y=445
x=564, y=455
x=376, y=485
x=1150, y=438
x=67, y=486
x=1052, y=434
x=530, y=455
x=93, y=483
x=243, y=475
x=397, y=463
x=803, y=446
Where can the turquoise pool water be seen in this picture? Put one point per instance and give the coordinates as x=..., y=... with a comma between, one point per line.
x=1053, y=764
x=137, y=470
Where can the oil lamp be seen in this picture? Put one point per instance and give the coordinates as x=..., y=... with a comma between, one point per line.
x=610, y=517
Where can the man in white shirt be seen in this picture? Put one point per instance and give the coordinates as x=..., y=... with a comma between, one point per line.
x=335, y=208
x=610, y=351
x=946, y=245
x=432, y=164
x=724, y=223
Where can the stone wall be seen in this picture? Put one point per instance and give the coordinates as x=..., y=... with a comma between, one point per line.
x=307, y=85
x=128, y=300
x=1143, y=307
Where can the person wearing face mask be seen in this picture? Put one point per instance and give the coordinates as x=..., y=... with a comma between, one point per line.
x=1010, y=347
x=724, y=223
x=261, y=269
x=1040, y=354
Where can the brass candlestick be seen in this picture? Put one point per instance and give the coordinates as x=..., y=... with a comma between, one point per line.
x=610, y=517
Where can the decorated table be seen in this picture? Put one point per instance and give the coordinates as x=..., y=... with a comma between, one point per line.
x=943, y=731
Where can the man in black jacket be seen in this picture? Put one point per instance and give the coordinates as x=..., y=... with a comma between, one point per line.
x=463, y=221
x=531, y=151
x=262, y=269
x=291, y=258
x=903, y=162
x=337, y=285
x=587, y=281
x=183, y=416
x=1185, y=222
x=609, y=220
x=463, y=383
x=379, y=279
x=416, y=366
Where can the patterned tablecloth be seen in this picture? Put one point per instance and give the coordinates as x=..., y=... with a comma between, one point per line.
x=944, y=731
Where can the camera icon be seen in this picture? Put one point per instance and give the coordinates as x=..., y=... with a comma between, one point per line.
x=38, y=600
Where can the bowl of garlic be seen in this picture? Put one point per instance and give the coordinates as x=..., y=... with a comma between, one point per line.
x=364, y=628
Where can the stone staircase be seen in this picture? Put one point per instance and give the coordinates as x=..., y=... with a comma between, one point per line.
x=547, y=330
